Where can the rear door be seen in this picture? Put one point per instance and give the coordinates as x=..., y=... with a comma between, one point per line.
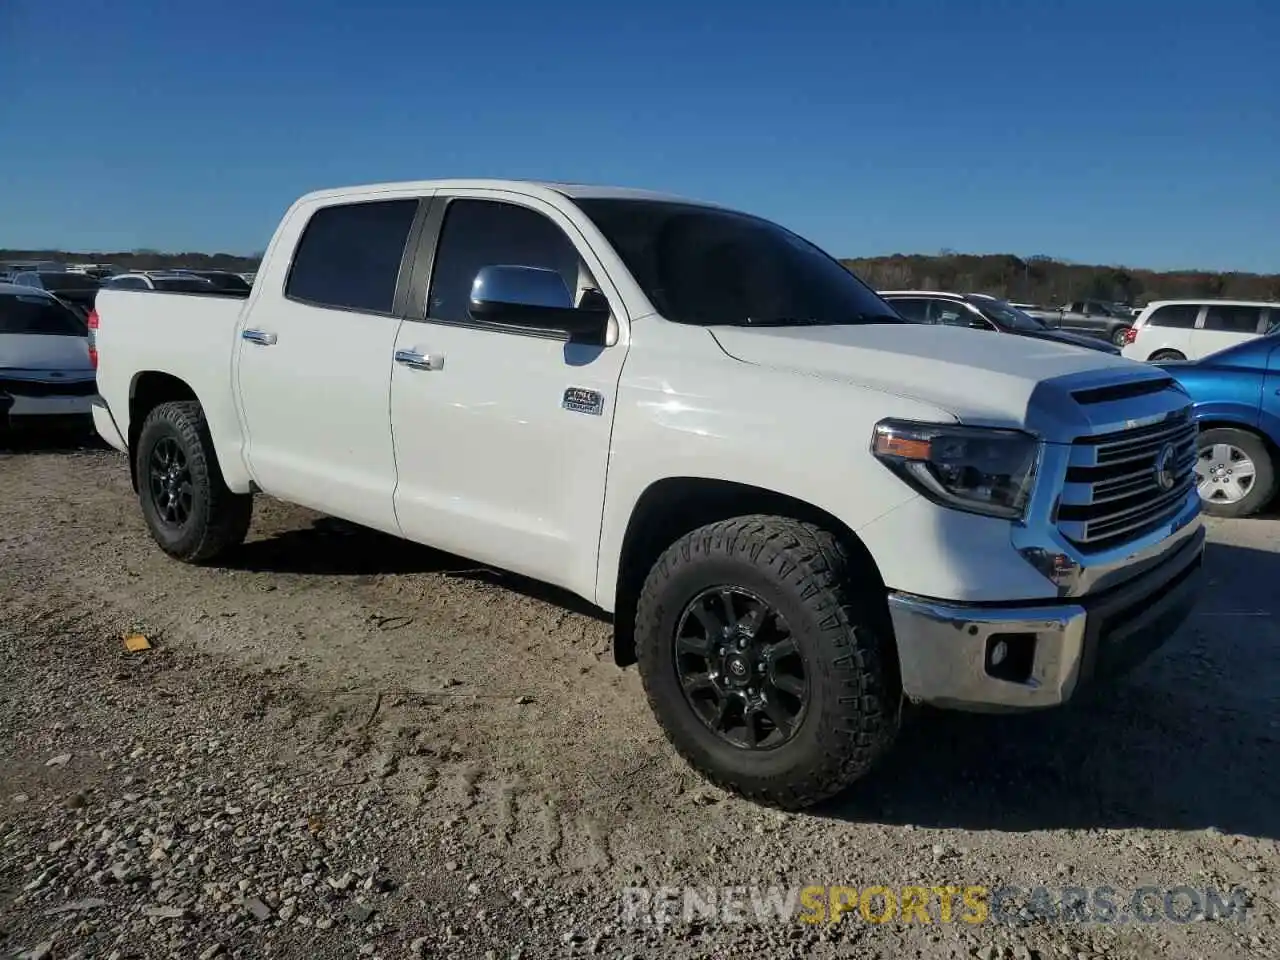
x=314, y=360
x=1167, y=329
x=502, y=433
x=1225, y=325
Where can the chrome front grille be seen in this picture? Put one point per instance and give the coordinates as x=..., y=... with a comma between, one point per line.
x=1122, y=485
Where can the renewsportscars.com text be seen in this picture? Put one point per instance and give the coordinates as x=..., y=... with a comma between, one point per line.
x=918, y=904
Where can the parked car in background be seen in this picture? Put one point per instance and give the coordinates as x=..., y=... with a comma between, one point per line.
x=1192, y=329
x=625, y=394
x=1236, y=400
x=1096, y=318
x=99, y=271
x=979, y=311
x=173, y=282
x=45, y=368
x=76, y=289
x=221, y=279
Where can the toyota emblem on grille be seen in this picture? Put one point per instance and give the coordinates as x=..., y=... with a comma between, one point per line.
x=1164, y=467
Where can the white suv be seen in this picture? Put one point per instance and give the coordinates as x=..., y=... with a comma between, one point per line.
x=1191, y=329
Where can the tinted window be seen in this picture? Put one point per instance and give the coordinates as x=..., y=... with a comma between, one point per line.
x=39, y=315
x=912, y=308
x=68, y=281
x=1233, y=319
x=705, y=265
x=349, y=256
x=1175, y=315
x=183, y=284
x=226, y=281
x=485, y=233
x=27, y=279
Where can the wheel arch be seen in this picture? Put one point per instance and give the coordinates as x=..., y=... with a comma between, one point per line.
x=671, y=507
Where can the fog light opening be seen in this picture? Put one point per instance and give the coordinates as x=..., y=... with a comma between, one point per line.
x=1011, y=656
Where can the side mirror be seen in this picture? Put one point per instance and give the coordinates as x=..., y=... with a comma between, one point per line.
x=535, y=297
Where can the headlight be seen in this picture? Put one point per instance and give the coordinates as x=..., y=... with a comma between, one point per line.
x=976, y=469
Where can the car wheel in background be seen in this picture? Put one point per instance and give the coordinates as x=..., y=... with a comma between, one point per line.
x=1118, y=336
x=765, y=661
x=1166, y=355
x=188, y=509
x=1235, y=472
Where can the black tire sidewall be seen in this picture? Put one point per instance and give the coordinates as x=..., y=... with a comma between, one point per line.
x=1167, y=355
x=1264, y=484
x=1117, y=336
x=170, y=422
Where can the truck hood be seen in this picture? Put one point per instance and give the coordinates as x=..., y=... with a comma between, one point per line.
x=31, y=356
x=976, y=376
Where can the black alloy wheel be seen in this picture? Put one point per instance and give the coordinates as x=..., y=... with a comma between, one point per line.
x=740, y=669
x=169, y=479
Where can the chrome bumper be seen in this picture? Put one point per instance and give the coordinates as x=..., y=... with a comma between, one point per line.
x=951, y=654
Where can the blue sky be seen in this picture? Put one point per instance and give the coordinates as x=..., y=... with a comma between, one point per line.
x=1142, y=132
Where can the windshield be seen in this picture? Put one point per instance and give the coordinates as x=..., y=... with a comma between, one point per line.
x=37, y=315
x=1005, y=314
x=705, y=266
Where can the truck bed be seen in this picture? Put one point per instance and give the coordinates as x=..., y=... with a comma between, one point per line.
x=190, y=336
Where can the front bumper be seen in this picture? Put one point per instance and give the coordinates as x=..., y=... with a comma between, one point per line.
x=948, y=651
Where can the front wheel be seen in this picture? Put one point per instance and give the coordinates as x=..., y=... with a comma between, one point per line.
x=187, y=507
x=766, y=667
x=1234, y=472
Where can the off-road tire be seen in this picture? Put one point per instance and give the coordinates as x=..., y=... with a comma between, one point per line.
x=837, y=618
x=1264, y=482
x=219, y=519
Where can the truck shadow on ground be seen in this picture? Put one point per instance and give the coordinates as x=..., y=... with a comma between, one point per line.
x=1189, y=740
x=331, y=547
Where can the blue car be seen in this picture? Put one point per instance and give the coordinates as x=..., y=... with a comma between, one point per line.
x=1237, y=404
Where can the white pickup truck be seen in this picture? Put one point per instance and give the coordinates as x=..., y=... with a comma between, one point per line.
x=801, y=510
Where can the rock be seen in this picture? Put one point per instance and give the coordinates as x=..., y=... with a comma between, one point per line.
x=166, y=913
x=357, y=911
x=525, y=699
x=41, y=951
x=211, y=951
x=58, y=846
x=989, y=952
x=61, y=760
x=257, y=908
x=340, y=883
x=367, y=949
x=418, y=947
x=20, y=798
x=287, y=911
x=76, y=906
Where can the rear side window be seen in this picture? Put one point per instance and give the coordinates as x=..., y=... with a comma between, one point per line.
x=483, y=233
x=1233, y=319
x=949, y=313
x=913, y=309
x=349, y=256
x=38, y=315
x=1174, y=315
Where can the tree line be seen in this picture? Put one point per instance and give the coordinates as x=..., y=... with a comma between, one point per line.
x=1040, y=280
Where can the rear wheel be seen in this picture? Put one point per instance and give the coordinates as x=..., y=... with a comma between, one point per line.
x=188, y=509
x=1166, y=355
x=1119, y=336
x=1234, y=472
x=765, y=666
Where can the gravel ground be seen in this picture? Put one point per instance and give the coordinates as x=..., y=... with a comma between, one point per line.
x=342, y=745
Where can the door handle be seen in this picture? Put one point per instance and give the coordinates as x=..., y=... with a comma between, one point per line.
x=420, y=361
x=260, y=337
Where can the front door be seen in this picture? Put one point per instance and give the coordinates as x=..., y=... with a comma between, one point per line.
x=502, y=434
x=314, y=364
